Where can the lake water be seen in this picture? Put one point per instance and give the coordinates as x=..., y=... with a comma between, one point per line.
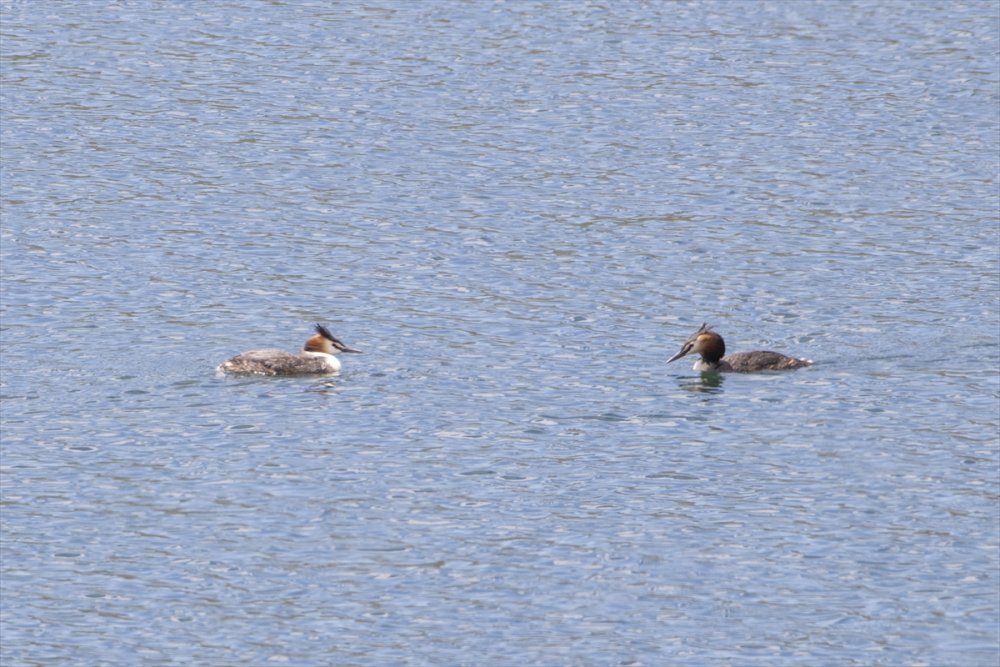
x=518, y=211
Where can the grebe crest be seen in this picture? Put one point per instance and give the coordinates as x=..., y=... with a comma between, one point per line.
x=712, y=349
x=318, y=356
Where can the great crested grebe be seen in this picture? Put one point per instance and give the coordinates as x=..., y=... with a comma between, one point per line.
x=711, y=347
x=317, y=356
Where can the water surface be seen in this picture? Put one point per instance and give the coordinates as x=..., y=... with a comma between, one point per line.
x=518, y=211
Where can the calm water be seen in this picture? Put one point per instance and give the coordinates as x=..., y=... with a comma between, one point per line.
x=518, y=211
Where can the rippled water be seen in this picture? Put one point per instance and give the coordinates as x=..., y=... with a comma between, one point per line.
x=518, y=211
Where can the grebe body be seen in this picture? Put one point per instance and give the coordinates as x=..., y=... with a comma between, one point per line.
x=712, y=349
x=318, y=356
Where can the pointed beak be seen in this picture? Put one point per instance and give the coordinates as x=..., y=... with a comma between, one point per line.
x=350, y=349
x=684, y=350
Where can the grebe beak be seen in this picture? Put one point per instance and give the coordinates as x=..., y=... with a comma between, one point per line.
x=684, y=350
x=344, y=348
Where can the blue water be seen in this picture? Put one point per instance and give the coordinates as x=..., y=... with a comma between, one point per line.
x=519, y=211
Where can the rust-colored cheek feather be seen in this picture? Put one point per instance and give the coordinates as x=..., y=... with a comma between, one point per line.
x=711, y=346
x=317, y=343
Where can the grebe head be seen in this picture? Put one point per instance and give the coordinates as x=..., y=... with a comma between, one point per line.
x=324, y=342
x=705, y=342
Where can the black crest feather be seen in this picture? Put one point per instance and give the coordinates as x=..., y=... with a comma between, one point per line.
x=325, y=333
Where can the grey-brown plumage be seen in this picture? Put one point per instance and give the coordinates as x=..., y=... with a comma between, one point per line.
x=276, y=362
x=745, y=362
